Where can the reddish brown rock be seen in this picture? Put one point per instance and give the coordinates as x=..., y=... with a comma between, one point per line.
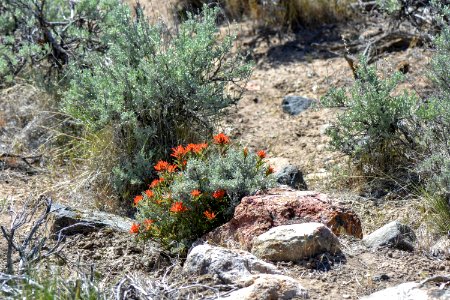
x=257, y=214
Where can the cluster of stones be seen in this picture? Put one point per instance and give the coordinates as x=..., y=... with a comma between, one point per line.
x=284, y=224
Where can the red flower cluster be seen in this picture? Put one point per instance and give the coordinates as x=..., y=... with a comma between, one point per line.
x=137, y=199
x=178, y=207
x=179, y=152
x=196, y=148
x=209, y=215
x=261, y=154
x=161, y=166
x=156, y=182
x=221, y=139
x=134, y=228
x=149, y=193
x=196, y=193
x=219, y=194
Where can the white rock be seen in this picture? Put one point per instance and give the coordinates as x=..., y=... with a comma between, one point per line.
x=229, y=265
x=409, y=291
x=393, y=234
x=295, y=242
x=268, y=287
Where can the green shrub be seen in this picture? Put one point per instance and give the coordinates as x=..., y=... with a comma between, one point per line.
x=199, y=191
x=435, y=166
x=39, y=38
x=376, y=126
x=155, y=89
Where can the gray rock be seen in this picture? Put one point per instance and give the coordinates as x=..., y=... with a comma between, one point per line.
x=228, y=265
x=394, y=235
x=268, y=287
x=410, y=291
x=295, y=242
x=62, y=216
x=290, y=175
x=287, y=174
x=294, y=105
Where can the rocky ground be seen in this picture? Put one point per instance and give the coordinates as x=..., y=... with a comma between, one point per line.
x=287, y=65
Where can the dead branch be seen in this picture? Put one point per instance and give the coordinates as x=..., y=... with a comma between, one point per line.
x=31, y=247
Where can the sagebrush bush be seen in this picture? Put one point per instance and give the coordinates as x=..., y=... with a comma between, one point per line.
x=198, y=191
x=155, y=89
x=376, y=127
x=435, y=165
x=39, y=38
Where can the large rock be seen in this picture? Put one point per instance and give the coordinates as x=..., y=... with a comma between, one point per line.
x=229, y=265
x=287, y=174
x=294, y=105
x=394, y=235
x=73, y=221
x=295, y=242
x=257, y=214
x=269, y=287
x=410, y=291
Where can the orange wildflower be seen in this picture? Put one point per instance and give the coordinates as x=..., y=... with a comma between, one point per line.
x=190, y=147
x=245, y=152
x=219, y=194
x=155, y=183
x=178, y=207
x=221, y=139
x=196, y=148
x=179, y=151
x=209, y=215
x=195, y=193
x=134, y=228
x=171, y=168
x=149, y=193
x=261, y=154
x=137, y=199
x=148, y=223
x=161, y=166
x=270, y=170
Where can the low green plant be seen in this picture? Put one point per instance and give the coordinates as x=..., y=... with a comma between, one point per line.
x=156, y=89
x=376, y=127
x=49, y=285
x=199, y=191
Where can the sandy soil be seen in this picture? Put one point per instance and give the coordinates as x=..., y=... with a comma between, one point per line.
x=287, y=66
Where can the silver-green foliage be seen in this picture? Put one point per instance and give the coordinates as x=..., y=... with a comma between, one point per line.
x=156, y=88
x=238, y=174
x=38, y=38
x=436, y=164
x=376, y=123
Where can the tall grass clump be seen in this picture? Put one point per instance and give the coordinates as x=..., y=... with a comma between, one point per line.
x=154, y=89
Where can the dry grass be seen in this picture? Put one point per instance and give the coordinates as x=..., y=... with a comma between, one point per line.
x=290, y=13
